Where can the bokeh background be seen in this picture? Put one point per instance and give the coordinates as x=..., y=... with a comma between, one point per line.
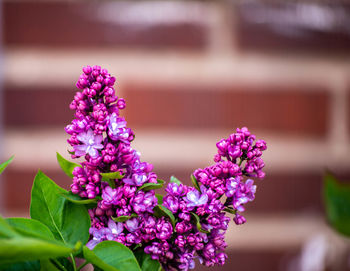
x=191, y=72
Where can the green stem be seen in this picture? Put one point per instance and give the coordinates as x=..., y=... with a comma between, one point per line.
x=56, y=262
x=80, y=267
x=73, y=262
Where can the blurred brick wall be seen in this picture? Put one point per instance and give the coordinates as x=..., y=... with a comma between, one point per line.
x=190, y=72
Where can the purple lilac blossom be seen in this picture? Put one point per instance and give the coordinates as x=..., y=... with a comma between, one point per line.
x=117, y=129
x=195, y=198
x=101, y=136
x=91, y=144
x=132, y=224
x=136, y=179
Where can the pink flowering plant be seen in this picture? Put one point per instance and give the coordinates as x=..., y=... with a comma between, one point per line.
x=112, y=217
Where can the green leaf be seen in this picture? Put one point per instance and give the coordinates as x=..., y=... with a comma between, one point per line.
x=67, y=166
x=159, y=198
x=173, y=179
x=47, y=265
x=123, y=218
x=20, y=266
x=5, y=164
x=67, y=263
x=77, y=199
x=27, y=249
x=137, y=246
x=151, y=186
x=112, y=256
x=110, y=177
x=47, y=205
x=30, y=228
x=76, y=223
x=195, y=182
x=337, y=201
x=67, y=221
x=6, y=231
x=230, y=210
x=56, y=265
x=146, y=262
x=160, y=211
x=198, y=223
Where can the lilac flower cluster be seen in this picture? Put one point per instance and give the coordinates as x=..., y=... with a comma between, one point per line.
x=200, y=227
x=100, y=135
x=200, y=213
x=240, y=147
x=190, y=223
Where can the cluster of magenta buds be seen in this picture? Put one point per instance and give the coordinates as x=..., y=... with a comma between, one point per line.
x=189, y=222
